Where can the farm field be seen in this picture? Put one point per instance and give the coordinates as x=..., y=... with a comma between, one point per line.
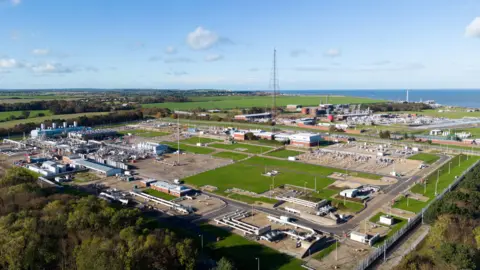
x=231, y=102
x=445, y=179
x=189, y=148
x=144, y=133
x=283, y=153
x=159, y=194
x=33, y=114
x=425, y=157
x=247, y=175
x=230, y=155
x=9, y=124
x=241, y=147
x=195, y=140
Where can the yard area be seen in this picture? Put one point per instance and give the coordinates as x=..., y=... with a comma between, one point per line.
x=251, y=200
x=411, y=205
x=284, y=153
x=425, y=157
x=143, y=133
x=195, y=140
x=244, y=252
x=247, y=175
x=230, y=155
x=83, y=177
x=159, y=194
x=188, y=148
x=241, y=147
x=445, y=178
x=397, y=225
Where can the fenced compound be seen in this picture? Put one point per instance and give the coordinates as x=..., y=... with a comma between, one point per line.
x=413, y=222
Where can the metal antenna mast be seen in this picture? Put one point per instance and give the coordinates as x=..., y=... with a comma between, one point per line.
x=275, y=85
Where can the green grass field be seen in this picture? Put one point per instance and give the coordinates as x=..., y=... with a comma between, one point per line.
x=284, y=153
x=159, y=194
x=230, y=155
x=326, y=251
x=231, y=102
x=322, y=194
x=189, y=148
x=83, y=177
x=425, y=157
x=397, y=225
x=195, y=140
x=143, y=133
x=46, y=118
x=414, y=206
x=445, y=179
x=241, y=147
x=251, y=200
x=33, y=114
x=242, y=252
x=247, y=175
x=347, y=205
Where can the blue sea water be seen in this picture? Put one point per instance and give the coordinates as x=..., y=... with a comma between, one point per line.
x=462, y=98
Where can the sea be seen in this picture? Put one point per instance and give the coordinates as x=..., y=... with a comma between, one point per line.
x=461, y=98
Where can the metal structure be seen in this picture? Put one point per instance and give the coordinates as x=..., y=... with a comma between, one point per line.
x=274, y=85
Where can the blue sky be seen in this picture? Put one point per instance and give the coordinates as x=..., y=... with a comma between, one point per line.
x=341, y=44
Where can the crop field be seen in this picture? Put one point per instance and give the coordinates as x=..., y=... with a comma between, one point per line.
x=247, y=175
x=189, y=148
x=241, y=147
x=159, y=194
x=9, y=124
x=425, y=157
x=195, y=140
x=444, y=179
x=144, y=133
x=230, y=155
x=231, y=102
x=33, y=114
x=283, y=153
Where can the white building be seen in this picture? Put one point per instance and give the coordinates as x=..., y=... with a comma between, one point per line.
x=156, y=148
x=305, y=139
x=387, y=220
x=349, y=193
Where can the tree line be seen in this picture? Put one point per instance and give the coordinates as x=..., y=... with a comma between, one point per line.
x=454, y=238
x=396, y=107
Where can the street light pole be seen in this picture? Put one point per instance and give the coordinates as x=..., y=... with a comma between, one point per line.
x=258, y=263
x=436, y=184
x=201, y=236
x=450, y=163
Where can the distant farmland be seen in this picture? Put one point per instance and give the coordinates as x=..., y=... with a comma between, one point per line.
x=231, y=102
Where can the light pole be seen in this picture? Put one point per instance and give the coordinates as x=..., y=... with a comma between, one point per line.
x=436, y=184
x=258, y=263
x=450, y=163
x=201, y=237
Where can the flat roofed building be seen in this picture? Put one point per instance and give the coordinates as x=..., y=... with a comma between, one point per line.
x=175, y=190
x=97, y=167
x=305, y=139
x=247, y=117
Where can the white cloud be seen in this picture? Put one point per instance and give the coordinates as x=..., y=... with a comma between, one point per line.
x=473, y=29
x=8, y=63
x=50, y=68
x=213, y=57
x=40, y=51
x=201, y=39
x=333, y=52
x=170, y=50
x=298, y=52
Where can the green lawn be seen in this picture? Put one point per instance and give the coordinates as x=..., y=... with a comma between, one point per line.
x=284, y=153
x=242, y=252
x=251, y=200
x=347, y=205
x=143, y=133
x=33, y=114
x=83, y=177
x=189, y=148
x=241, y=147
x=445, y=179
x=326, y=251
x=9, y=124
x=159, y=194
x=219, y=102
x=325, y=193
x=195, y=140
x=414, y=206
x=247, y=175
x=425, y=157
x=397, y=225
x=230, y=155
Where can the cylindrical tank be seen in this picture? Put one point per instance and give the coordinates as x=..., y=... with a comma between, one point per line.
x=54, y=125
x=64, y=124
x=42, y=126
x=75, y=123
